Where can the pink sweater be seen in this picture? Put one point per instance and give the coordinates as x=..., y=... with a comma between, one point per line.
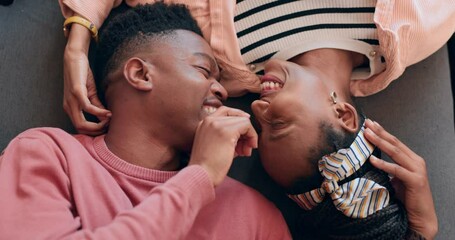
x=408, y=31
x=57, y=186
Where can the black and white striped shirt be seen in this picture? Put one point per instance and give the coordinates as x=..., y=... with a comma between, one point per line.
x=284, y=28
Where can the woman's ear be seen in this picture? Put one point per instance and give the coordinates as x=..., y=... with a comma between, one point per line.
x=138, y=74
x=347, y=116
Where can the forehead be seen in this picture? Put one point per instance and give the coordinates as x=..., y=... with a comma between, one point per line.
x=190, y=42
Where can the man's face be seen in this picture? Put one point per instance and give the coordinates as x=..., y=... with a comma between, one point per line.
x=293, y=112
x=185, y=86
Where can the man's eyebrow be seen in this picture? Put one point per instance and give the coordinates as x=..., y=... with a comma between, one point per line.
x=212, y=61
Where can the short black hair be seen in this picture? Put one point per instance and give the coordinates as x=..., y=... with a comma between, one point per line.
x=128, y=30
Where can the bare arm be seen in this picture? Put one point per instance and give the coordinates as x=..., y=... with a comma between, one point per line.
x=80, y=93
x=79, y=86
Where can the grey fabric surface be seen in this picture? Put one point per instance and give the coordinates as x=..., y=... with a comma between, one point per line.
x=31, y=53
x=417, y=108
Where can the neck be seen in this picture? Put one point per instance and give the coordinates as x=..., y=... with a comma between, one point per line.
x=130, y=141
x=334, y=64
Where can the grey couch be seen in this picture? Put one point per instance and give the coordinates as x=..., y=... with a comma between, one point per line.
x=417, y=108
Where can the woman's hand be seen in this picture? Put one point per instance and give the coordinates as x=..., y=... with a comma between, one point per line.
x=410, y=179
x=79, y=85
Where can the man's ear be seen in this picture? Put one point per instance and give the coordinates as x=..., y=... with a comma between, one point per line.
x=138, y=74
x=347, y=116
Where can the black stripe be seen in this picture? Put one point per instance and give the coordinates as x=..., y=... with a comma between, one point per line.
x=264, y=58
x=301, y=14
x=370, y=41
x=260, y=8
x=367, y=166
x=302, y=29
x=260, y=72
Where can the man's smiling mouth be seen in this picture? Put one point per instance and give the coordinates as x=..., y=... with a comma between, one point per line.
x=209, y=109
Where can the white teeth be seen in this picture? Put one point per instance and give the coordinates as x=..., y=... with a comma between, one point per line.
x=209, y=109
x=270, y=86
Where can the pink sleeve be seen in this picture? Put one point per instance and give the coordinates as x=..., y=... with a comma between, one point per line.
x=36, y=201
x=276, y=227
x=435, y=25
x=95, y=11
x=423, y=25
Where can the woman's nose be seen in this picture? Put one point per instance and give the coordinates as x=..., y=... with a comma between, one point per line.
x=259, y=108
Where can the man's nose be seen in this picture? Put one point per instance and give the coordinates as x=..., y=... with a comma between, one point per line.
x=219, y=91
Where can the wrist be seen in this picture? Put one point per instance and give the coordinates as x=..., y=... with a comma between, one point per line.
x=78, y=39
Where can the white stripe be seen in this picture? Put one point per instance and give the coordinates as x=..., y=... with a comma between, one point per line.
x=311, y=20
x=300, y=5
x=300, y=38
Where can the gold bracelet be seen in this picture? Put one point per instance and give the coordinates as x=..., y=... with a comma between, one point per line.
x=81, y=21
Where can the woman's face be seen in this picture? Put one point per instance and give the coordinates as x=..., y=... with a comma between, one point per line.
x=292, y=111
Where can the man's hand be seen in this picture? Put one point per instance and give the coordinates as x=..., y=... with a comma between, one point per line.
x=410, y=179
x=79, y=86
x=220, y=137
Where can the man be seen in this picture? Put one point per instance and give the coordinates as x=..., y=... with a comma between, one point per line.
x=133, y=182
x=316, y=144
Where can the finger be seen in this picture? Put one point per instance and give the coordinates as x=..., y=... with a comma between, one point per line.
x=227, y=111
x=248, y=139
x=100, y=113
x=248, y=149
x=392, y=150
x=96, y=101
x=393, y=169
x=87, y=106
x=92, y=92
x=245, y=134
x=384, y=134
x=92, y=131
x=242, y=126
x=84, y=126
x=244, y=147
x=248, y=134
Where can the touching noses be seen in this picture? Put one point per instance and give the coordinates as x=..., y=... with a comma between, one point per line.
x=218, y=90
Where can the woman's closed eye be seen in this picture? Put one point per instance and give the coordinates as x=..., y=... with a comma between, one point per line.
x=277, y=125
